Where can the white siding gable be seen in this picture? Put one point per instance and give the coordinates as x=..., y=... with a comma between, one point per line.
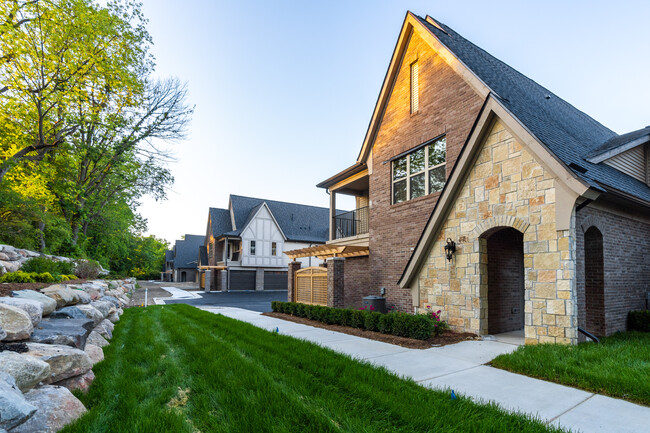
x=263, y=230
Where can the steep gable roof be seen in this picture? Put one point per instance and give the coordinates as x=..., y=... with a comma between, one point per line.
x=620, y=144
x=187, y=251
x=220, y=221
x=298, y=222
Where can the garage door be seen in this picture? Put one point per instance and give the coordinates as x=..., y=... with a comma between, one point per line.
x=242, y=280
x=275, y=280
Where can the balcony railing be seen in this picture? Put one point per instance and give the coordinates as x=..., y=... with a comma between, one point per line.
x=351, y=223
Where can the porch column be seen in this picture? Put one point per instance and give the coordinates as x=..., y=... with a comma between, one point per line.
x=208, y=281
x=259, y=279
x=335, y=282
x=224, y=280
x=293, y=268
x=332, y=213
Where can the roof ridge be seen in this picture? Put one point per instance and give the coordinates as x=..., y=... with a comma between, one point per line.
x=278, y=201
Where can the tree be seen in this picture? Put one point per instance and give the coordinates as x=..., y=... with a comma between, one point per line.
x=57, y=52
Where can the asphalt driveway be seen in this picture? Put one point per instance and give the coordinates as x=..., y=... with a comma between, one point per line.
x=249, y=300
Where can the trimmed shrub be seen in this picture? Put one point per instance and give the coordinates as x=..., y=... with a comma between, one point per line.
x=638, y=320
x=371, y=322
x=18, y=277
x=46, y=277
x=276, y=306
x=357, y=318
x=385, y=324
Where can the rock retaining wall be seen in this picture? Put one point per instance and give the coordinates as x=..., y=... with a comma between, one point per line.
x=55, y=337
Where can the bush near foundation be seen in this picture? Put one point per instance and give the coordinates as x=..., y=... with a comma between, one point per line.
x=418, y=326
x=638, y=321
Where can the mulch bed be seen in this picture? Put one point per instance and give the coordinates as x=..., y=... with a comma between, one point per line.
x=449, y=337
x=7, y=288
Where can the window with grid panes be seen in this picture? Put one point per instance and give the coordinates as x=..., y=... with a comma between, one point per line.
x=420, y=172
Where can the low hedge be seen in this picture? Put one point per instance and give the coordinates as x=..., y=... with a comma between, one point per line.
x=638, y=321
x=34, y=277
x=417, y=326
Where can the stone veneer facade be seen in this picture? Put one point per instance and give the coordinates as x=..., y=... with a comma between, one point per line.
x=506, y=187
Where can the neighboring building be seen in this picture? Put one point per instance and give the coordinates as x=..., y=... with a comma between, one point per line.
x=245, y=243
x=548, y=209
x=168, y=267
x=186, y=253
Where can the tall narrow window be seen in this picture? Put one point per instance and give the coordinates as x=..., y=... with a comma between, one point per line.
x=252, y=248
x=274, y=249
x=415, y=88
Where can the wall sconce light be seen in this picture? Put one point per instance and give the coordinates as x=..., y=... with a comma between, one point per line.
x=450, y=249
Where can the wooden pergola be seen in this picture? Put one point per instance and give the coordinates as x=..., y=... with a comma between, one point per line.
x=326, y=251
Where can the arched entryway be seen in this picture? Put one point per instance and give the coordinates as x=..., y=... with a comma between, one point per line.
x=505, y=280
x=183, y=277
x=594, y=282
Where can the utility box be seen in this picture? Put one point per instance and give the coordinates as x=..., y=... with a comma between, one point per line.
x=378, y=303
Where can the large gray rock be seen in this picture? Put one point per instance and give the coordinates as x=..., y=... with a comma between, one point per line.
x=64, y=361
x=29, y=306
x=15, y=322
x=113, y=317
x=3, y=334
x=104, y=307
x=95, y=352
x=10, y=266
x=81, y=382
x=57, y=407
x=96, y=339
x=14, y=408
x=72, y=312
x=61, y=294
x=68, y=332
x=84, y=298
x=48, y=303
x=90, y=312
x=105, y=329
x=26, y=370
x=113, y=300
x=94, y=292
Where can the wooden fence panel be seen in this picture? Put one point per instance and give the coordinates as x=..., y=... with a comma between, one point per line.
x=311, y=286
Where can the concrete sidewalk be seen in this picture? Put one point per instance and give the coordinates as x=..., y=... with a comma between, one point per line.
x=461, y=368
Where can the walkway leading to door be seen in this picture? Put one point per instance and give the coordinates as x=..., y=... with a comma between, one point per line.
x=461, y=367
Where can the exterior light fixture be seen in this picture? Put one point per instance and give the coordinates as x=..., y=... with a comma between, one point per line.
x=450, y=249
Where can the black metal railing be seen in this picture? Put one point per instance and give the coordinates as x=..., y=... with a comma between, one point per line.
x=351, y=223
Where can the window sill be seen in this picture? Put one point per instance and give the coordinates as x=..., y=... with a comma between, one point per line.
x=435, y=195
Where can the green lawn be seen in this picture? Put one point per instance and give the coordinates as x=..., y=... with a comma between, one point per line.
x=175, y=368
x=619, y=367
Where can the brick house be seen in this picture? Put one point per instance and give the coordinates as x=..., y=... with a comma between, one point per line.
x=548, y=209
x=245, y=243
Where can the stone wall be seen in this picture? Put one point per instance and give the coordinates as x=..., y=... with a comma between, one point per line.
x=506, y=187
x=12, y=259
x=626, y=261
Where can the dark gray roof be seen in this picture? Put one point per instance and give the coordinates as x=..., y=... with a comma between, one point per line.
x=203, y=255
x=567, y=132
x=187, y=251
x=621, y=140
x=169, y=256
x=298, y=222
x=220, y=221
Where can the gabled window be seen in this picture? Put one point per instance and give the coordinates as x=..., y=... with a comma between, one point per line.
x=415, y=87
x=252, y=251
x=274, y=248
x=420, y=172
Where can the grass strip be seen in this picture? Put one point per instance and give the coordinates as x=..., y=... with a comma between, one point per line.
x=177, y=368
x=616, y=367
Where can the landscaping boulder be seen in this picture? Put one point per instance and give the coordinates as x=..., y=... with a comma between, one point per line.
x=84, y=298
x=57, y=407
x=68, y=332
x=81, y=382
x=95, y=352
x=15, y=323
x=3, y=334
x=10, y=266
x=61, y=294
x=48, y=303
x=112, y=300
x=14, y=408
x=33, y=308
x=96, y=339
x=64, y=361
x=91, y=313
x=68, y=313
x=26, y=370
x=105, y=329
x=113, y=317
x=104, y=307
x=92, y=291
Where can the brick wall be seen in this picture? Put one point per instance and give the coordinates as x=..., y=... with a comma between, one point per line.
x=505, y=256
x=447, y=106
x=335, y=282
x=357, y=281
x=626, y=261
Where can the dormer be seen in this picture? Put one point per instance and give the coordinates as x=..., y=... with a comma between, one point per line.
x=628, y=153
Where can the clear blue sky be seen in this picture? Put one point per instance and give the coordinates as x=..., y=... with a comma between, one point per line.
x=284, y=90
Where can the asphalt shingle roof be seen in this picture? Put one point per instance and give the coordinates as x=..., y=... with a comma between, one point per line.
x=169, y=256
x=221, y=222
x=567, y=132
x=187, y=251
x=621, y=140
